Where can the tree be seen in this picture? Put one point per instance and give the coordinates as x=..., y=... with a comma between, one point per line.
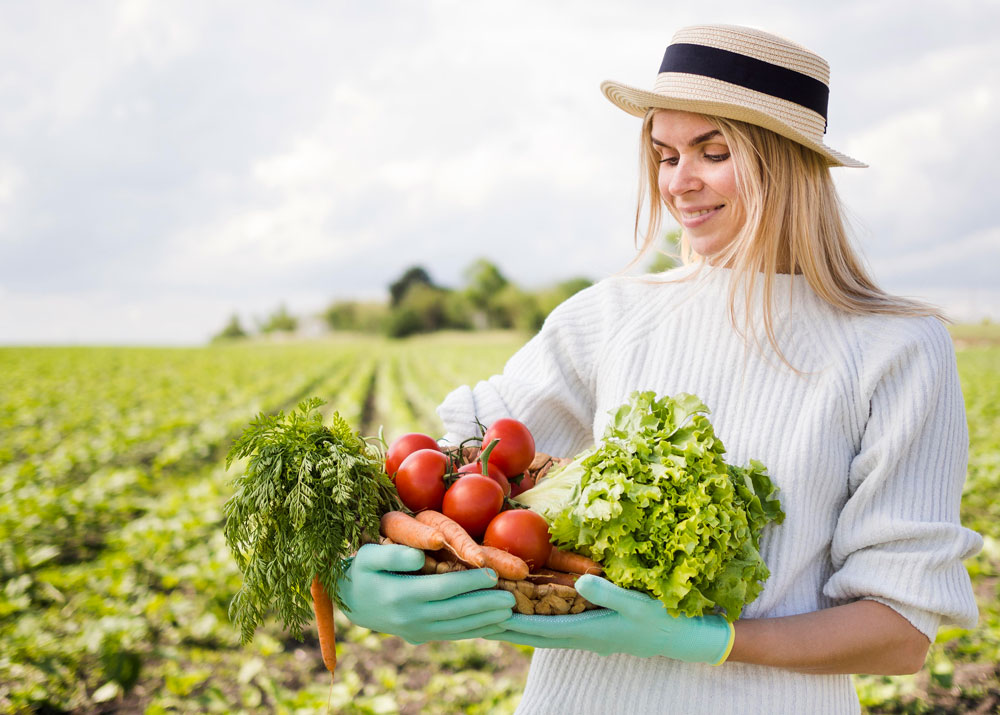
x=365, y=317
x=422, y=310
x=232, y=331
x=280, y=321
x=512, y=307
x=413, y=276
x=483, y=280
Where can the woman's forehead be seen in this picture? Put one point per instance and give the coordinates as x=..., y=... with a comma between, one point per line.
x=671, y=125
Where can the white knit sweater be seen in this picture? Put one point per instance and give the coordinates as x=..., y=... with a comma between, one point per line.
x=869, y=449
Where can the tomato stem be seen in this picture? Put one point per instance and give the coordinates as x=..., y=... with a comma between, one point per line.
x=482, y=428
x=484, y=457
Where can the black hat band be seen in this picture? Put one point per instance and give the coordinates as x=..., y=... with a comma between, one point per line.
x=748, y=72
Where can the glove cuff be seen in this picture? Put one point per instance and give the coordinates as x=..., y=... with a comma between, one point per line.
x=708, y=639
x=729, y=644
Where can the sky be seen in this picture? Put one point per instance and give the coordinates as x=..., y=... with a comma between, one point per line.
x=165, y=165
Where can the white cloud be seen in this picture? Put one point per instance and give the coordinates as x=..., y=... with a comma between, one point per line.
x=11, y=178
x=978, y=249
x=931, y=157
x=233, y=156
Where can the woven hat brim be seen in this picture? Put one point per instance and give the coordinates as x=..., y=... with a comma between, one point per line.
x=637, y=102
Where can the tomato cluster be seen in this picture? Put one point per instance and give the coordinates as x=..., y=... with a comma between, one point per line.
x=471, y=495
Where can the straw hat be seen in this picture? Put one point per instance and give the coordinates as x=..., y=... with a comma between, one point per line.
x=744, y=74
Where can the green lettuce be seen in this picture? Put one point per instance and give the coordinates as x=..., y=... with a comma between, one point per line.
x=655, y=503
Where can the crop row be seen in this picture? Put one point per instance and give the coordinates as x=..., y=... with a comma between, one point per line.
x=116, y=579
x=119, y=444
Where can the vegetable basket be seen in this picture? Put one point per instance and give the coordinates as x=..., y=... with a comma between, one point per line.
x=549, y=593
x=545, y=591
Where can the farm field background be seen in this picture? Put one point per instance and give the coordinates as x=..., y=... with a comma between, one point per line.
x=115, y=579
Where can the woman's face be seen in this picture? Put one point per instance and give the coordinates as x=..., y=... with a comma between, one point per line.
x=697, y=179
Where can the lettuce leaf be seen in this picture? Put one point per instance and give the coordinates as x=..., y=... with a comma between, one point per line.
x=656, y=504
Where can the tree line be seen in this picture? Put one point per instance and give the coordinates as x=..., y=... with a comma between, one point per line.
x=487, y=300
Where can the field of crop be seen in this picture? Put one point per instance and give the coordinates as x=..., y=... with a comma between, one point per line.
x=115, y=579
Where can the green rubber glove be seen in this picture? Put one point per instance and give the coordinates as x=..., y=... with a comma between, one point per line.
x=630, y=622
x=420, y=607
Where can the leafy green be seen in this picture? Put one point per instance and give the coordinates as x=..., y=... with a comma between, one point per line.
x=307, y=498
x=659, y=508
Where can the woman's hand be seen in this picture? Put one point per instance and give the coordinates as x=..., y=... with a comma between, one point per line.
x=630, y=622
x=419, y=607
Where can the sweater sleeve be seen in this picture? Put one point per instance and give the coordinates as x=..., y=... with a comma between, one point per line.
x=549, y=384
x=899, y=539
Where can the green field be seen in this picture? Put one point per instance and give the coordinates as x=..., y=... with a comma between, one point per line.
x=116, y=579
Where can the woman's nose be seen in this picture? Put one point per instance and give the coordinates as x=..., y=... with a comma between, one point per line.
x=683, y=178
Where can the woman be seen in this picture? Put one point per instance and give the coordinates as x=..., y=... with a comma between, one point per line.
x=849, y=395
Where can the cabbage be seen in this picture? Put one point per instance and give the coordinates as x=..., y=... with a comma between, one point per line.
x=655, y=503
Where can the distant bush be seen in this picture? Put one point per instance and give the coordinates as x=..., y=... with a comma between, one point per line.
x=233, y=330
x=424, y=309
x=511, y=307
x=411, y=278
x=280, y=321
x=351, y=315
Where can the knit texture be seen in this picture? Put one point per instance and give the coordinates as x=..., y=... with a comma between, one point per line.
x=868, y=445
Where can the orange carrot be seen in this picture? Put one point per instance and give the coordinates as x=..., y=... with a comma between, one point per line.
x=404, y=529
x=323, y=607
x=571, y=562
x=507, y=565
x=455, y=537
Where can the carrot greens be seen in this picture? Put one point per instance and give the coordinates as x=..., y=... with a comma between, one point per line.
x=308, y=497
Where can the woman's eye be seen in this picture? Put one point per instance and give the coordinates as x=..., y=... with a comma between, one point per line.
x=717, y=157
x=669, y=160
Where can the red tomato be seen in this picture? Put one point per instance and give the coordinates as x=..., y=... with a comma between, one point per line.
x=521, y=532
x=472, y=501
x=516, y=449
x=402, y=447
x=494, y=473
x=526, y=483
x=420, y=479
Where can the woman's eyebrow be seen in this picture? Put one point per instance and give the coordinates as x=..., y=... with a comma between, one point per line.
x=700, y=139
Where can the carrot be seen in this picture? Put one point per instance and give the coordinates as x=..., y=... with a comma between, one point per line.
x=323, y=607
x=456, y=538
x=571, y=562
x=404, y=529
x=506, y=565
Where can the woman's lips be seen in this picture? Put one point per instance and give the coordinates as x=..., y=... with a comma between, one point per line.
x=696, y=217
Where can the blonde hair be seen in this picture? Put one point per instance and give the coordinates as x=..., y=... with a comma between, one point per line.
x=793, y=222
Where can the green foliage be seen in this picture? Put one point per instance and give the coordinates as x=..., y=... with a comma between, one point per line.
x=411, y=278
x=483, y=281
x=280, y=321
x=233, y=330
x=487, y=301
x=356, y=316
x=425, y=309
x=308, y=496
x=655, y=503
